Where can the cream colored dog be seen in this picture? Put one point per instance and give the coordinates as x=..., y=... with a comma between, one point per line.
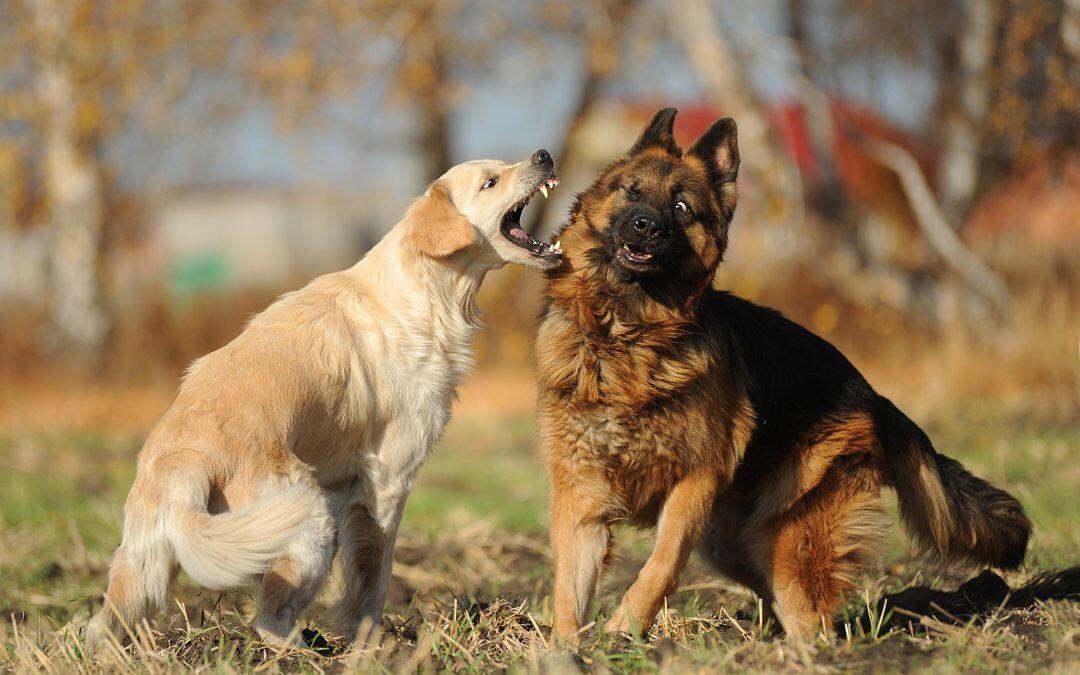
x=304, y=434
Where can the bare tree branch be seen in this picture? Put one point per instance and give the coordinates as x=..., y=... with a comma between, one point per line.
x=934, y=226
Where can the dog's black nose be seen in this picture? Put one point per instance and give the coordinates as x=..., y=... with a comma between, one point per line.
x=647, y=227
x=541, y=156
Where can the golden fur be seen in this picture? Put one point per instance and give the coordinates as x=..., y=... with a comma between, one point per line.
x=304, y=434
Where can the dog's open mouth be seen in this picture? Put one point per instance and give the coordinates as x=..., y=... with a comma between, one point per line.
x=511, y=226
x=635, y=258
x=636, y=254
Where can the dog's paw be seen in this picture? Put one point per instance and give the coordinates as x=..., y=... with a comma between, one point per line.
x=621, y=624
x=278, y=642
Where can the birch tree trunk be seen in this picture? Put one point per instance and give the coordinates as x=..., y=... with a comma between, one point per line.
x=969, y=99
x=74, y=191
x=725, y=84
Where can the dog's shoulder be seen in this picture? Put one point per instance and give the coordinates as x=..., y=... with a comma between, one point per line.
x=787, y=368
x=761, y=332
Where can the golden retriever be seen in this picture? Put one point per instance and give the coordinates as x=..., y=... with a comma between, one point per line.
x=304, y=434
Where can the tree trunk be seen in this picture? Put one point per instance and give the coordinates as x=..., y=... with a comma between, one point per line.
x=429, y=90
x=601, y=44
x=965, y=97
x=1070, y=30
x=74, y=189
x=726, y=86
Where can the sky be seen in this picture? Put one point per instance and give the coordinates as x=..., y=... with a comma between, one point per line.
x=363, y=144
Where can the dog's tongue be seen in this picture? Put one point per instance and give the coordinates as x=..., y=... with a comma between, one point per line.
x=519, y=233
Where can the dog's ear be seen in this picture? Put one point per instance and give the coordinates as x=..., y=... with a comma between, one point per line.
x=719, y=149
x=659, y=133
x=435, y=226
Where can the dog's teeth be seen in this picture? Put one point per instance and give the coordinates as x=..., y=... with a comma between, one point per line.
x=543, y=189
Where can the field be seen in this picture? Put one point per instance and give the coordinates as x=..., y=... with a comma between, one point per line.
x=472, y=582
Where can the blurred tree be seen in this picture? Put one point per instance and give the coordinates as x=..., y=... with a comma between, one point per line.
x=73, y=71
x=848, y=195
x=600, y=26
x=726, y=83
x=1007, y=94
x=77, y=73
x=73, y=182
x=425, y=75
x=306, y=56
x=1033, y=107
x=1008, y=85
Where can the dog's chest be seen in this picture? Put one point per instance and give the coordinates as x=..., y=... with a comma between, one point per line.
x=607, y=436
x=640, y=456
x=641, y=418
x=395, y=405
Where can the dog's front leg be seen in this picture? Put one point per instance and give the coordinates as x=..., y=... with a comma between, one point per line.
x=366, y=535
x=685, y=514
x=579, y=542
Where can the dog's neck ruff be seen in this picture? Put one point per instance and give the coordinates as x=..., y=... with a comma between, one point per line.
x=594, y=296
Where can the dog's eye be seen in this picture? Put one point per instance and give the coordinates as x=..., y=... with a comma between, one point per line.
x=489, y=183
x=682, y=206
x=632, y=194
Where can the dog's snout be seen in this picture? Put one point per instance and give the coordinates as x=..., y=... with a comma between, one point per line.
x=647, y=226
x=542, y=157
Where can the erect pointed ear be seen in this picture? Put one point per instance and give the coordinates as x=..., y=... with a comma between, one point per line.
x=659, y=133
x=435, y=226
x=718, y=147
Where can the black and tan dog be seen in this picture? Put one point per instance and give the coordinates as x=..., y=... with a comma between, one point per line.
x=733, y=430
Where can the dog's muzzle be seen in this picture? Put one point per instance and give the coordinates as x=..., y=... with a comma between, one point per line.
x=641, y=237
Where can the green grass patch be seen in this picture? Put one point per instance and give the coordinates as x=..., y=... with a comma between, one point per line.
x=472, y=586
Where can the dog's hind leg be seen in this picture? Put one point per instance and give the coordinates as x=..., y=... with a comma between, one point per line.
x=139, y=577
x=294, y=579
x=813, y=554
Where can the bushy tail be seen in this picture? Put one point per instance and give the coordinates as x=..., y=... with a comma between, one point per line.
x=949, y=511
x=224, y=550
x=218, y=551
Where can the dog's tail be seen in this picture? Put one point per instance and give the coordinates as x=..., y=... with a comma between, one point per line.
x=949, y=511
x=223, y=550
x=168, y=523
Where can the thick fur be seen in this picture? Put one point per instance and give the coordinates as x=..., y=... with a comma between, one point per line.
x=304, y=434
x=666, y=402
x=948, y=510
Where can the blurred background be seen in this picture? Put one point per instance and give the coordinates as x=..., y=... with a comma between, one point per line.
x=910, y=190
x=910, y=185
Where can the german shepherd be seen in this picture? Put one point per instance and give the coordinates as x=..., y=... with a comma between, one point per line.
x=730, y=428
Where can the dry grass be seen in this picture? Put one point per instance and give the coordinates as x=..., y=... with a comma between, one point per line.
x=715, y=628
x=471, y=587
x=472, y=583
